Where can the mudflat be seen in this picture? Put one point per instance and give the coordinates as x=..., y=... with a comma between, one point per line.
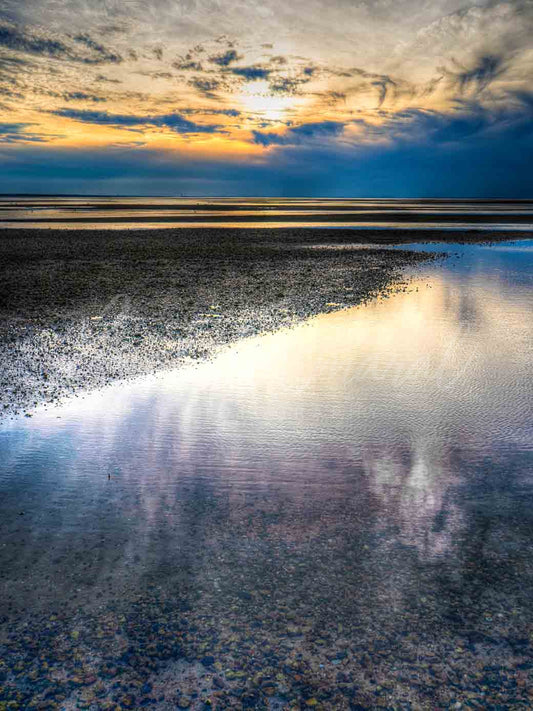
x=82, y=308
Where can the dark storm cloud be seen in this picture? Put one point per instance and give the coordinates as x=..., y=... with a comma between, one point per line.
x=301, y=134
x=174, y=122
x=487, y=68
x=252, y=73
x=225, y=59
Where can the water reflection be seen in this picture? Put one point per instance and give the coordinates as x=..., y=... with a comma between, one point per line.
x=338, y=514
x=114, y=213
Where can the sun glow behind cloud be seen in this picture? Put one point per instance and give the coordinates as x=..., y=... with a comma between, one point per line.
x=257, y=99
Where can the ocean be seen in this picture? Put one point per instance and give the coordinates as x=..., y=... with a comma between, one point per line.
x=138, y=212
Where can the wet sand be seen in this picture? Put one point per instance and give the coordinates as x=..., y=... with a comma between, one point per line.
x=80, y=309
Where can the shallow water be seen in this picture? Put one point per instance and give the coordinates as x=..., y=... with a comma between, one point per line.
x=340, y=513
x=120, y=212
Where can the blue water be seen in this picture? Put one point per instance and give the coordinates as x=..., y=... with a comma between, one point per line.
x=339, y=513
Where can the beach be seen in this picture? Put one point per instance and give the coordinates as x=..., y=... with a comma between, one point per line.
x=333, y=516
x=81, y=309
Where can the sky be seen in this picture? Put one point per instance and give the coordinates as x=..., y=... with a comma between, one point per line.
x=371, y=98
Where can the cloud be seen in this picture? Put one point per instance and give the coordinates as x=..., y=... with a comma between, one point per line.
x=187, y=64
x=525, y=98
x=5, y=91
x=466, y=124
x=487, y=68
x=11, y=69
x=233, y=113
x=301, y=134
x=331, y=98
x=411, y=167
x=82, y=96
x=13, y=63
x=388, y=88
x=252, y=73
x=390, y=65
x=174, y=122
x=13, y=38
x=285, y=85
x=101, y=55
x=205, y=86
x=27, y=42
x=156, y=75
x=103, y=78
x=383, y=85
x=225, y=59
x=290, y=85
x=17, y=133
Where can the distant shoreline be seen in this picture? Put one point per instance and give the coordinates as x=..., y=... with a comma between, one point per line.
x=255, y=197
x=252, y=213
x=83, y=308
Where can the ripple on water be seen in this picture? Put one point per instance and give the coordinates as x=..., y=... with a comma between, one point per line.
x=335, y=516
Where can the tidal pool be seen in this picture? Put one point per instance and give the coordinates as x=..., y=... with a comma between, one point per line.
x=337, y=516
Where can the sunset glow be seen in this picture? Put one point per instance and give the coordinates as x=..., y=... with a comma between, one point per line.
x=303, y=87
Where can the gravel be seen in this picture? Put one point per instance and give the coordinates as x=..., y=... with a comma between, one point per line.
x=82, y=308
